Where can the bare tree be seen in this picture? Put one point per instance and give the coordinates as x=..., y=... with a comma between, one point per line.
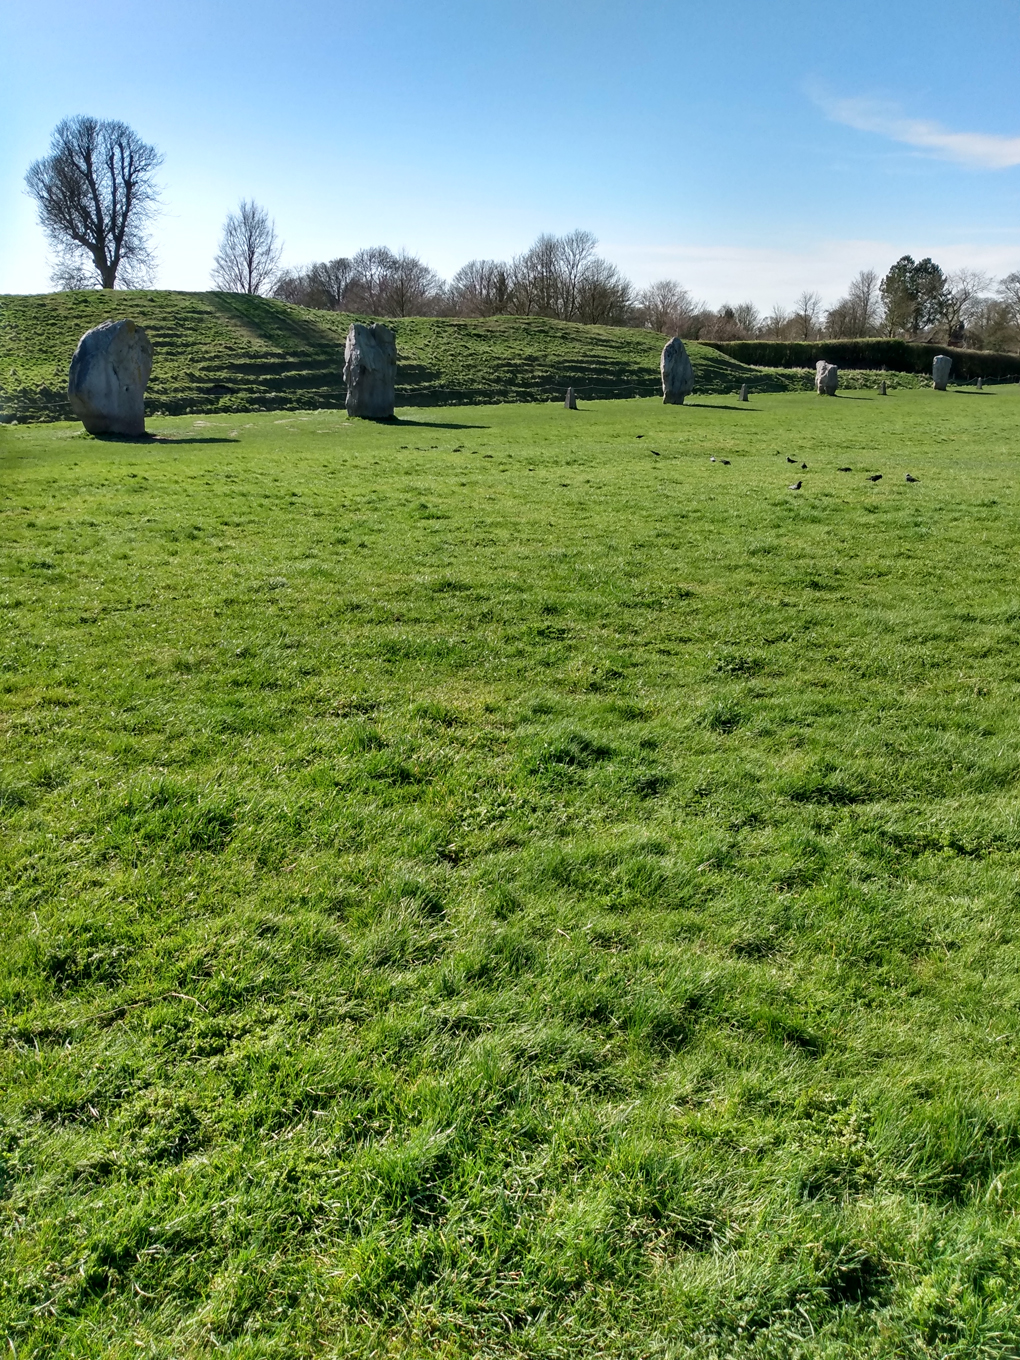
x=533, y=279
x=373, y=274
x=1009, y=292
x=95, y=192
x=603, y=295
x=333, y=278
x=859, y=313
x=666, y=306
x=807, y=314
x=249, y=253
x=323, y=286
x=963, y=300
x=576, y=266
x=414, y=288
x=481, y=288
x=562, y=277
x=776, y=326
x=748, y=318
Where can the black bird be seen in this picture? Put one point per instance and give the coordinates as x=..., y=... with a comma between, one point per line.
x=804, y=466
x=875, y=477
x=796, y=486
x=639, y=436
x=912, y=479
x=656, y=453
x=712, y=460
x=790, y=460
x=844, y=469
x=725, y=462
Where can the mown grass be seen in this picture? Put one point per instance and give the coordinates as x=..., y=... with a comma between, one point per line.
x=501, y=884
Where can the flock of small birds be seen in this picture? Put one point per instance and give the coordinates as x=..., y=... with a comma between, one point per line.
x=793, y=486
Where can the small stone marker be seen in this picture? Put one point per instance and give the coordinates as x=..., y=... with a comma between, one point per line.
x=570, y=401
x=108, y=376
x=980, y=383
x=743, y=391
x=370, y=371
x=881, y=390
x=941, y=367
x=826, y=378
x=677, y=373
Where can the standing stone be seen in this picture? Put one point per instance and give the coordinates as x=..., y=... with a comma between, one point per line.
x=980, y=383
x=826, y=378
x=677, y=373
x=570, y=401
x=108, y=376
x=881, y=390
x=743, y=391
x=941, y=367
x=370, y=371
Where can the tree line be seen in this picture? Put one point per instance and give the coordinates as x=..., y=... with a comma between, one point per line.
x=96, y=194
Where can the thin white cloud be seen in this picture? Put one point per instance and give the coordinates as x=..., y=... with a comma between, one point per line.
x=979, y=150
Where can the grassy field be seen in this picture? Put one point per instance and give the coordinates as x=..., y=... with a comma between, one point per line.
x=224, y=352
x=503, y=884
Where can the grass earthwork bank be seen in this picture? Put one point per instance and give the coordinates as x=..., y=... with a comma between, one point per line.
x=222, y=353
x=497, y=885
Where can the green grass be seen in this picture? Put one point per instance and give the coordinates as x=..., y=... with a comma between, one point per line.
x=472, y=887
x=227, y=352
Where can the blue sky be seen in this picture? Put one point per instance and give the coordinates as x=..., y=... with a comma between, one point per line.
x=748, y=149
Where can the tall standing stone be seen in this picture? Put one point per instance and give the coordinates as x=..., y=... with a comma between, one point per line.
x=108, y=376
x=370, y=371
x=941, y=367
x=980, y=384
x=826, y=378
x=881, y=388
x=570, y=401
x=677, y=373
x=743, y=391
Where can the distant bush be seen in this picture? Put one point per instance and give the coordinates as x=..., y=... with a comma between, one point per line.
x=903, y=356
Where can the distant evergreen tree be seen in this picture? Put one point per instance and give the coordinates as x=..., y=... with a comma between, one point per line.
x=914, y=295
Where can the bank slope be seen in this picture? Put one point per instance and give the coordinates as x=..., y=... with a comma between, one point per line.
x=228, y=352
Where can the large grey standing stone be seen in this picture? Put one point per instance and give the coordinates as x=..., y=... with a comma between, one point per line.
x=370, y=371
x=743, y=391
x=826, y=378
x=677, y=373
x=941, y=367
x=881, y=389
x=570, y=401
x=108, y=377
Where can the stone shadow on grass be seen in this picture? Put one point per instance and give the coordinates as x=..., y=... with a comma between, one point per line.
x=712, y=406
x=163, y=439
x=430, y=424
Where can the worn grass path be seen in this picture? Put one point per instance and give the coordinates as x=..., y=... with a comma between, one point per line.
x=481, y=887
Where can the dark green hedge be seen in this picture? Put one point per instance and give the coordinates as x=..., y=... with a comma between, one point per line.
x=900, y=356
